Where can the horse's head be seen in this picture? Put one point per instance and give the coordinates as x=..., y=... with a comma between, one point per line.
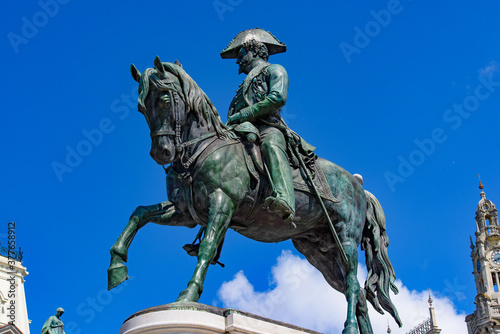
x=167, y=95
x=162, y=105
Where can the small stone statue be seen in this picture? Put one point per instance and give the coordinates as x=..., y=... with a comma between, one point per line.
x=54, y=324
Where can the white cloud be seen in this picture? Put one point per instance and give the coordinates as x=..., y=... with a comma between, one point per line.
x=299, y=295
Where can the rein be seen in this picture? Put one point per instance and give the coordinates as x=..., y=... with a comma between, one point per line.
x=183, y=144
x=180, y=146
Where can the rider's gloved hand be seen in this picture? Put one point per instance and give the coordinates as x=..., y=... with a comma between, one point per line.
x=234, y=119
x=245, y=114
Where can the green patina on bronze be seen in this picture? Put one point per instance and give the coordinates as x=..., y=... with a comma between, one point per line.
x=54, y=324
x=245, y=180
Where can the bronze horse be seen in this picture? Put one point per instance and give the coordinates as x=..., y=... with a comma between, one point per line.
x=209, y=184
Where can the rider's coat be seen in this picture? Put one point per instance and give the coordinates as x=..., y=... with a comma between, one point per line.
x=264, y=90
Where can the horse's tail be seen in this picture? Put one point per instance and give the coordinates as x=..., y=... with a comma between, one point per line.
x=381, y=274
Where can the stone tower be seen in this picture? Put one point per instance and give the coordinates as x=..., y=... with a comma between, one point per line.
x=486, y=263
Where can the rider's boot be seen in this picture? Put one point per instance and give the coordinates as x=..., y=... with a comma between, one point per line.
x=283, y=200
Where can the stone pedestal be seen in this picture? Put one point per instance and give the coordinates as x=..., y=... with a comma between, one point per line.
x=194, y=318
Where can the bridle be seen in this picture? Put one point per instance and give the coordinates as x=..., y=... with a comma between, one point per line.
x=177, y=116
x=180, y=146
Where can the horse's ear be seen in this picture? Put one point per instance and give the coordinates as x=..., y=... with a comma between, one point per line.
x=159, y=66
x=135, y=73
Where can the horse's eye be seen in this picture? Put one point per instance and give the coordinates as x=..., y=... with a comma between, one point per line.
x=164, y=101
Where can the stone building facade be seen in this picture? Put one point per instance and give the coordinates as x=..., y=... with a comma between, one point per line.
x=13, y=310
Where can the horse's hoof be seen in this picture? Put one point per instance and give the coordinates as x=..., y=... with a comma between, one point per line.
x=188, y=295
x=117, y=274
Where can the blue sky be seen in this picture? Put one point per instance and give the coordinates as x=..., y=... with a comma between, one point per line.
x=376, y=86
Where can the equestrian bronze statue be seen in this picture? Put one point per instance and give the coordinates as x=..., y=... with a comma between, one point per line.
x=257, y=177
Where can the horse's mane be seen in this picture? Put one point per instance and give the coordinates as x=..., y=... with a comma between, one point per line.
x=195, y=98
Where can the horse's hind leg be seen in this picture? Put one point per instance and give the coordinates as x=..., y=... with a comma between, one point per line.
x=352, y=289
x=328, y=263
x=357, y=308
x=364, y=324
x=220, y=211
x=158, y=213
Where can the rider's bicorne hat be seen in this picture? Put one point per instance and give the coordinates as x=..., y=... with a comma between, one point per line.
x=260, y=35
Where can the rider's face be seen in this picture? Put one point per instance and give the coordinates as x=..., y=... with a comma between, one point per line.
x=244, y=60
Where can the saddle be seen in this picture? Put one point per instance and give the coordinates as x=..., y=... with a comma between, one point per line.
x=253, y=158
x=250, y=137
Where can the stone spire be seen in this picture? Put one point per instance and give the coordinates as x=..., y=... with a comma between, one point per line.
x=486, y=213
x=434, y=327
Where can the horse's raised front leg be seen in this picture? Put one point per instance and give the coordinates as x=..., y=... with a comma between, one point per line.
x=220, y=211
x=159, y=213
